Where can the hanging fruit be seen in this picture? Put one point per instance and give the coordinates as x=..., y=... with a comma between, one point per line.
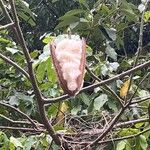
x=68, y=55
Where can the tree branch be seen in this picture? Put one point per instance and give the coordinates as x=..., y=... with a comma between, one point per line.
x=140, y=99
x=112, y=140
x=140, y=44
x=12, y=63
x=112, y=123
x=9, y=18
x=6, y=26
x=132, y=122
x=33, y=80
x=21, y=129
x=107, y=81
x=20, y=112
x=20, y=122
x=106, y=87
x=5, y=12
x=99, y=131
x=14, y=122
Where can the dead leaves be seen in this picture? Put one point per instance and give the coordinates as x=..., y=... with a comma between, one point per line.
x=124, y=89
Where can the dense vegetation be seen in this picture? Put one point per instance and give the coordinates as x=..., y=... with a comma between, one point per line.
x=112, y=111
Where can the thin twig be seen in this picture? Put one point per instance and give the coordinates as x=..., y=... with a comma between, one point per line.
x=12, y=63
x=112, y=140
x=20, y=112
x=140, y=100
x=15, y=122
x=140, y=45
x=8, y=19
x=99, y=131
x=5, y=12
x=132, y=96
x=20, y=122
x=21, y=129
x=132, y=122
x=6, y=26
x=106, y=87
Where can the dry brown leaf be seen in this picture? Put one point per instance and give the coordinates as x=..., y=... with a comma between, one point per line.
x=61, y=114
x=124, y=88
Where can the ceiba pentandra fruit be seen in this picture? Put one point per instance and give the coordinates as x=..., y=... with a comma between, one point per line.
x=68, y=57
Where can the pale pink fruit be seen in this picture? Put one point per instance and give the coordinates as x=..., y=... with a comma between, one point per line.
x=69, y=60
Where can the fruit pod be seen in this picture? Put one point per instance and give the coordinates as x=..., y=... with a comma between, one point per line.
x=69, y=56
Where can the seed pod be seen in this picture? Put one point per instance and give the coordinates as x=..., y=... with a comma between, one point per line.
x=68, y=57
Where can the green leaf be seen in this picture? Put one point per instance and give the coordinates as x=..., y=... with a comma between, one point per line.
x=111, y=32
x=128, y=131
x=128, y=146
x=58, y=127
x=84, y=2
x=16, y=142
x=100, y=101
x=85, y=98
x=66, y=22
x=146, y=16
x=28, y=143
x=48, y=39
x=75, y=110
x=14, y=101
x=104, y=70
x=24, y=97
x=4, y=141
x=11, y=146
x=52, y=77
x=114, y=66
x=143, y=142
x=12, y=50
x=73, y=25
x=26, y=18
x=111, y=52
x=41, y=71
x=128, y=10
x=74, y=12
x=34, y=54
x=121, y=145
x=25, y=13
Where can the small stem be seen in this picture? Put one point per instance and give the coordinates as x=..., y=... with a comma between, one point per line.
x=21, y=129
x=106, y=87
x=12, y=63
x=14, y=122
x=6, y=26
x=20, y=112
x=5, y=11
x=111, y=140
x=140, y=100
x=140, y=45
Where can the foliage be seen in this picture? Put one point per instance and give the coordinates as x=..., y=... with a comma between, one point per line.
x=111, y=29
